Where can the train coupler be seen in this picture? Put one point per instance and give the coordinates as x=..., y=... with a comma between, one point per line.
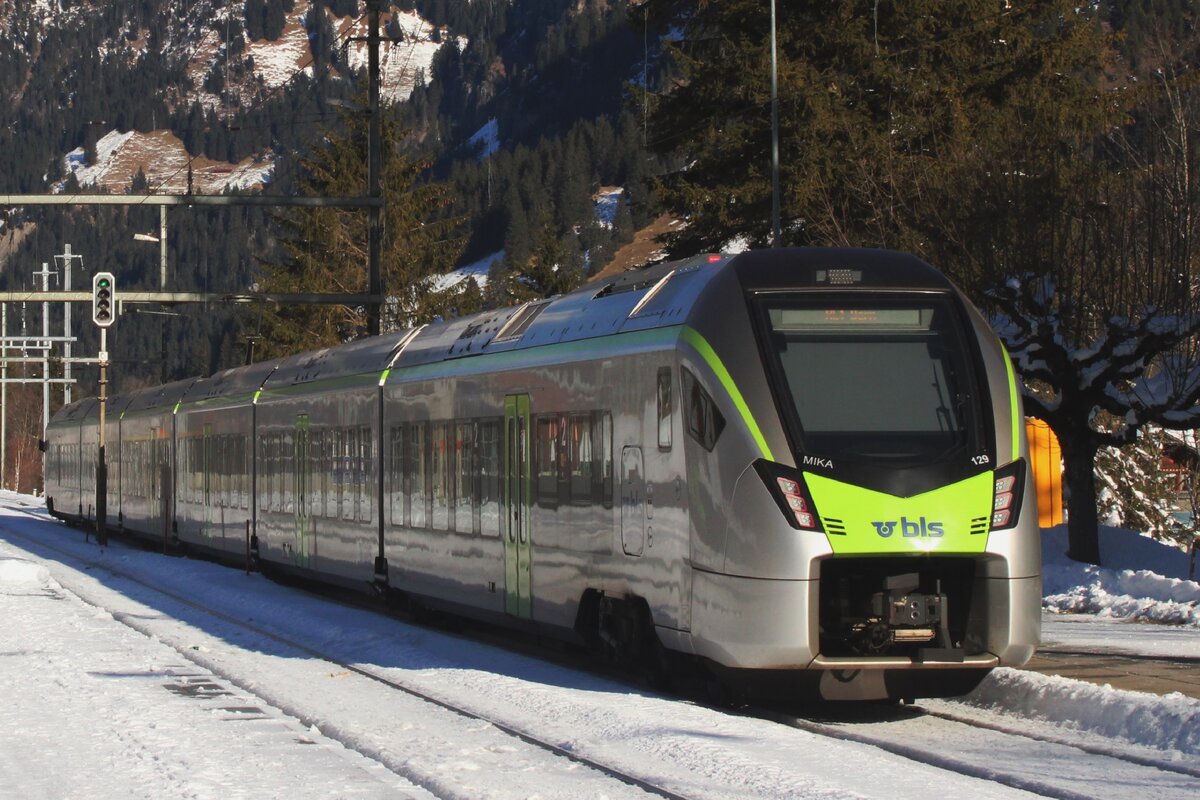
x=918, y=618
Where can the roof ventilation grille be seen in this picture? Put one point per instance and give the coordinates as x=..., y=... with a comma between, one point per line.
x=519, y=322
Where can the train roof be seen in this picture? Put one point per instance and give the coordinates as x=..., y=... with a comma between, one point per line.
x=74, y=412
x=361, y=357
x=230, y=384
x=157, y=397
x=657, y=296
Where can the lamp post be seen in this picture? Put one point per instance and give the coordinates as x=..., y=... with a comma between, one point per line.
x=162, y=280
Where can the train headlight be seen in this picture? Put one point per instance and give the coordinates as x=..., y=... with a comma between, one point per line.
x=789, y=491
x=1006, y=497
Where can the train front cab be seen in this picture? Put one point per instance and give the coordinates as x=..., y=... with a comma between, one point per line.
x=873, y=544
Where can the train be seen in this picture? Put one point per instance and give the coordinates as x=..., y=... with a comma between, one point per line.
x=797, y=470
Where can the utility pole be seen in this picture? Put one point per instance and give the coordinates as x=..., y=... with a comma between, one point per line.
x=68, y=259
x=776, y=228
x=374, y=174
x=45, y=347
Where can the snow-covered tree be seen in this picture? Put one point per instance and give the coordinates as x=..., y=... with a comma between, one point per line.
x=1097, y=300
x=1134, y=493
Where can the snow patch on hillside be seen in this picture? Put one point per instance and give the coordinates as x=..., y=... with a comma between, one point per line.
x=608, y=200
x=162, y=158
x=487, y=139
x=477, y=271
x=401, y=62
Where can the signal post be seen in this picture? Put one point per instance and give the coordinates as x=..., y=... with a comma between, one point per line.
x=103, y=314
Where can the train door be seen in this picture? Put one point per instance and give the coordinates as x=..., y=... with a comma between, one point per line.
x=302, y=491
x=633, y=501
x=517, y=556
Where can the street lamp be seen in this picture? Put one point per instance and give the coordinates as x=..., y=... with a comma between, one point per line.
x=161, y=238
x=162, y=277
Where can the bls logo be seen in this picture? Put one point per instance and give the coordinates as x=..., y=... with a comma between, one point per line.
x=911, y=528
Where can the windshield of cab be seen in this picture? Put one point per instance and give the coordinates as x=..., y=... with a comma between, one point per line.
x=874, y=378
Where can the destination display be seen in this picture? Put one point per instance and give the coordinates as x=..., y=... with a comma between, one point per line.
x=817, y=319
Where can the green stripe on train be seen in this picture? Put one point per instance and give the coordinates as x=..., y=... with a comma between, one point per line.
x=952, y=519
x=1014, y=394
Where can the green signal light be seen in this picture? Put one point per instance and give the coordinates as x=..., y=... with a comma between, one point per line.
x=103, y=299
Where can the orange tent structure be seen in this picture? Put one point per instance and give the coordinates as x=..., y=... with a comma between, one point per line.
x=1045, y=458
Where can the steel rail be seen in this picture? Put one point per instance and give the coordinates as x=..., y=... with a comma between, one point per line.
x=364, y=672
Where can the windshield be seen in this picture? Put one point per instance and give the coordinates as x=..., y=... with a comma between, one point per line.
x=874, y=379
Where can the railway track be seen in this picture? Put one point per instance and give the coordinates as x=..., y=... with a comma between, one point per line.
x=902, y=731
x=997, y=753
x=139, y=624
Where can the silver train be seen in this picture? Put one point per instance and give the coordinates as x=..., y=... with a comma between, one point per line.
x=801, y=469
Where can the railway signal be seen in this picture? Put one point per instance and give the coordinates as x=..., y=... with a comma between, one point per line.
x=104, y=313
x=103, y=299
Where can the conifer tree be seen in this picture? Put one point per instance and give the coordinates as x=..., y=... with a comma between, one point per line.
x=327, y=248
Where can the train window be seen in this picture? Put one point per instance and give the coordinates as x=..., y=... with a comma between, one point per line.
x=347, y=447
x=704, y=420
x=664, y=408
x=202, y=446
x=325, y=485
x=489, y=477
x=243, y=460
x=186, y=470
x=602, y=464
x=547, y=444
x=395, y=475
x=217, y=470
x=239, y=470
x=320, y=478
x=579, y=442
x=276, y=471
x=465, y=496
x=366, y=474
x=238, y=465
x=264, y=483
x=442, y=469
x=418, y=474
x=287, y=472
x=263, y=472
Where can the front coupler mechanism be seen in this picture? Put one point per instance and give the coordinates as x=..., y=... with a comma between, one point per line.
x=906, y=618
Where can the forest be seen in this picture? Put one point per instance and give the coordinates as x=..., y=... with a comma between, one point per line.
x=1043, y=154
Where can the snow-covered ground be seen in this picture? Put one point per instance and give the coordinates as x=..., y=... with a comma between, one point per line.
x=1140, y=579
x=131, y=674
